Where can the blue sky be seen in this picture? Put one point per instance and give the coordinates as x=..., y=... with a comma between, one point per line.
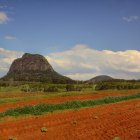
x=43, y=26
x=52, y=26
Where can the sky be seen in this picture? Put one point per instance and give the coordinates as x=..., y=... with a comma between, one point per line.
x=80, y=38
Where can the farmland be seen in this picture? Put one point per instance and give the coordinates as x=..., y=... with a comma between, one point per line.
x=69, y=70
x=73, y=117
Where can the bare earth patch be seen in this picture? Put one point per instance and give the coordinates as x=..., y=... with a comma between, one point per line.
x=107, y=122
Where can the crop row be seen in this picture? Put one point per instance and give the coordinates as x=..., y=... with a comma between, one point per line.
x=44, y=108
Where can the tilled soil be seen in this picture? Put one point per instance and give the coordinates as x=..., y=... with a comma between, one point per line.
x=97, y=123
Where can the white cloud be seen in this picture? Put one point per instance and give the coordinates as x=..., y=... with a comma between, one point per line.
x=3, y=18
x=6, y=58
x=10, y=37
x=82, y=62
x=131, y=18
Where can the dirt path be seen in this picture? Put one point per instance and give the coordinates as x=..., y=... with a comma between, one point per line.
x=98, y=123
x=6, y=106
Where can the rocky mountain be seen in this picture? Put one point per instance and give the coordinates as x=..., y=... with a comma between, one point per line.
x=34, y=67
x=100, y=78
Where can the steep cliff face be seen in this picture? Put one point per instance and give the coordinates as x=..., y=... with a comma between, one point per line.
x=30, y=63
x=34, y=67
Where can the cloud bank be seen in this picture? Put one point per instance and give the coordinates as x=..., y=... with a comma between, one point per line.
x=6, y=58
x=3, y=18
x=10, y=37
x=82, y=62
x=131, y=18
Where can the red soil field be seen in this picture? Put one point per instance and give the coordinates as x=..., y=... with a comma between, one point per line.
x=6, y=106
x=98, y=123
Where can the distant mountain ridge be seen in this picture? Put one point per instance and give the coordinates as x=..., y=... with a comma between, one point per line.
x=100, y=78
x=36, y=68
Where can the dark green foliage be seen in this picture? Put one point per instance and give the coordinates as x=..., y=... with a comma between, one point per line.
x=3, y=84
x=42, y=108
x=119, y=85
x=42, y=87
x=78, y=88
x=44, y=77
x=71, y=87
x=33, y=87
x=51, y=89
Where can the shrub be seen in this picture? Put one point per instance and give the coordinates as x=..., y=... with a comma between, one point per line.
x=25, y=88
x=74, y=122
x=12, y=138
x=119, y=85
x=70, y=87
x=43, y=129
x=51, y=89
x=78, y=88
x=116, y=138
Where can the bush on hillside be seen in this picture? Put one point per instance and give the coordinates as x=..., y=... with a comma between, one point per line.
x=51, y=89
x=71, y=87
x=117, y=85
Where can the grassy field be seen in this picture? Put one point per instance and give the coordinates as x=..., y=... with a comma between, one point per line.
x=13, y=97
x=38, y=86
